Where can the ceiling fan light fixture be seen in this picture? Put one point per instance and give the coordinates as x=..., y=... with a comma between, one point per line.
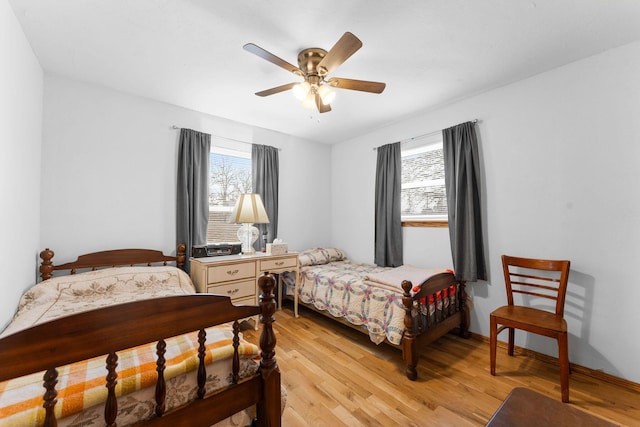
x=326, y=94
x=301, y=90
x=309, y=101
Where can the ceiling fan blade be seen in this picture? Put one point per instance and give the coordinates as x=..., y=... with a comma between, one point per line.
x=257, y=50
x=340, y=52
x=322, y=108
x=276, y=89
x=361, y=85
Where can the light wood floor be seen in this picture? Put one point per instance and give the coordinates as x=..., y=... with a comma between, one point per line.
x=335, y=376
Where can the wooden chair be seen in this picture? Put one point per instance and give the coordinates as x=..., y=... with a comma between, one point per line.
x=535, y=278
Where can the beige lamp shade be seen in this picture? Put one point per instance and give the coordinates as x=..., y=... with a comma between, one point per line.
x=249, y=209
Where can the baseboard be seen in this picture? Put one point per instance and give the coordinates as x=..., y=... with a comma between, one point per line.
x=594, y=373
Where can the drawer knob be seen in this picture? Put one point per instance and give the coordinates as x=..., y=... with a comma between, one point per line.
x=279, y=263
x=232, y=291
x=232, y=272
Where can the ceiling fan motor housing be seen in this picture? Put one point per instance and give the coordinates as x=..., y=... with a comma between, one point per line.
x=308, y=61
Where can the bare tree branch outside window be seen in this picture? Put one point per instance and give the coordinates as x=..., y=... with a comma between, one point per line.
x=230, y=176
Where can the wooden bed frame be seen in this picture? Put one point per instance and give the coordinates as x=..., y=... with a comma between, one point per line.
x=82, y=336
x=417, y=333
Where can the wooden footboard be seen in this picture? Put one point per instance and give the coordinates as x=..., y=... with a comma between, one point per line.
x=424, y=321
x=109, y=330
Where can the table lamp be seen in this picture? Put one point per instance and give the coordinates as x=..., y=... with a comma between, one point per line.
x=249, y=210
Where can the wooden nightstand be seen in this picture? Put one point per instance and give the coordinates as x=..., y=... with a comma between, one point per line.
x=237, y=276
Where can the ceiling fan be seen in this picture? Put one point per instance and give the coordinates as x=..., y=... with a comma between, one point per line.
x=314, y=65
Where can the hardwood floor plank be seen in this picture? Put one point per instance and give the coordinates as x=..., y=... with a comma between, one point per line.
x=335, y=376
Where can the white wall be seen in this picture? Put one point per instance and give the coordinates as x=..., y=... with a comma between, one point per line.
x=305, y=189
x=20, y=143
x=561, y=159
x=109, y=171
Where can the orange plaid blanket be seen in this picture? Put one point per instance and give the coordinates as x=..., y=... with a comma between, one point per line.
x=82, y=385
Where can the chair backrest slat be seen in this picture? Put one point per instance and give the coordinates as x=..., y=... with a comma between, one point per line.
x=534, y=294
x=537, y=278
x=535, y=285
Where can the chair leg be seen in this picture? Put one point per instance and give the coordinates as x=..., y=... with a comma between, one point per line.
x=563, y=357
x=512, y=340
x=493, y=342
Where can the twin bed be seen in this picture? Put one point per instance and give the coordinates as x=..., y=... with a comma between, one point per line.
x=135, y=344
x=407, y=307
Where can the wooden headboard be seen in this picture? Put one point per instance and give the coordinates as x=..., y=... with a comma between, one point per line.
x=112, y=258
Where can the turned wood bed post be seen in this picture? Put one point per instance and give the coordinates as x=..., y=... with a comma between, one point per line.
x=409, y=352
x=269, y=410
x=181, y=255
x=50, y=382
x=46, y=267
x=464, y=313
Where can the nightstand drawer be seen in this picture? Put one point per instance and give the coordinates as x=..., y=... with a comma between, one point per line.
x=245, y=288
x=225, y=273
x=245, y=301
x=274, y=264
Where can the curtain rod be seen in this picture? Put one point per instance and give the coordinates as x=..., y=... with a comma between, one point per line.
x=474, y=121
x=223, y=137
x=218, y=136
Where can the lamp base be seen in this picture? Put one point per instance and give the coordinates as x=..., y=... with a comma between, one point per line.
x=248, y=234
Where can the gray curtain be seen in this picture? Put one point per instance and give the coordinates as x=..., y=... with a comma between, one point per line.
x=193, y=189
x=388, y=233
x=462, y=182
x=265, y=174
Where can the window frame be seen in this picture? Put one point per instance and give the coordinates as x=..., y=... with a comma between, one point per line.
x=432, y=139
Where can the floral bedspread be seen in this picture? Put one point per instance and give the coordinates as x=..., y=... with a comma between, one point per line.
x=81, y=391
x=65, y=295
x=352, y=290
x=339, y=288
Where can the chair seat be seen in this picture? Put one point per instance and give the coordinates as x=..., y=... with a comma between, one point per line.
x=523, y=317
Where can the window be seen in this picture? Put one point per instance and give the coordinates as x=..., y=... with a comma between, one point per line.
x=424, y=200
x=229, y=176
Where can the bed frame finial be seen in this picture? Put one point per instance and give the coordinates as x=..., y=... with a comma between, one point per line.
x=181, y=255
x=46, y=267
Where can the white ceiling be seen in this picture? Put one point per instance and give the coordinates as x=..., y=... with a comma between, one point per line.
x=429, y=52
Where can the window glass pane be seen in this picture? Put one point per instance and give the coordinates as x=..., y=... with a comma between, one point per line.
x=423, y=190
x=230, y=176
